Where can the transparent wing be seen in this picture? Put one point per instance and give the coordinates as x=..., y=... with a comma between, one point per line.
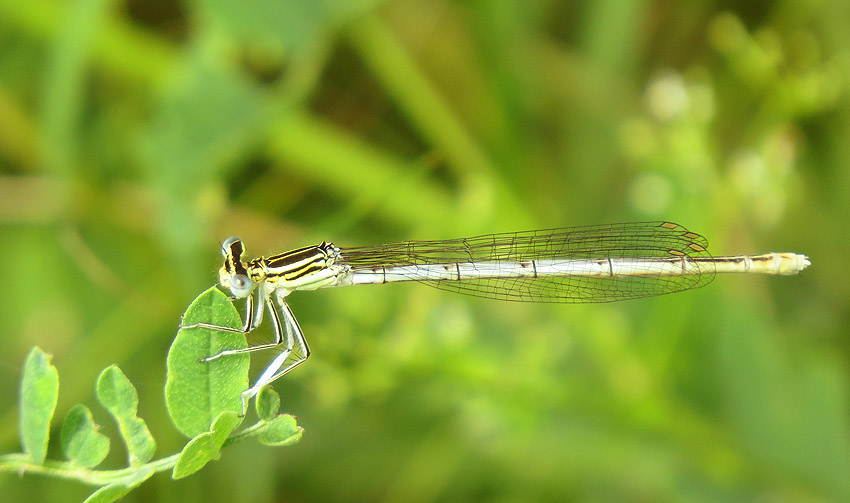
x=642, y=240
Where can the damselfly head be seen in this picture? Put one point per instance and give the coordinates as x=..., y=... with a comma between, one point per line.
x=232, y=246
x=233, y=274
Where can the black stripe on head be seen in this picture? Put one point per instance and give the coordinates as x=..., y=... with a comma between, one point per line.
x=233, y=257
x=236, y=249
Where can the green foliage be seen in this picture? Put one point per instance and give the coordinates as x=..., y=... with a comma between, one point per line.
x=81, y=442
x=86, y=448
x=206, y=446
x=281, y=430
x=120, y=488
x=119, y=397
x=39, y=392
x=197, y=394
x=268, y=403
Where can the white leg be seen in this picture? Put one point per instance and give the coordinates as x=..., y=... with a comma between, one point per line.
x=277, y=367
x=253, y=318
x=278, y=334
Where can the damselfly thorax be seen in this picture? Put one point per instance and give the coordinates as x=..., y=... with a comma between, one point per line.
x=306, y=268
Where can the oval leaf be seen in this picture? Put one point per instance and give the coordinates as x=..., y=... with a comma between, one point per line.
x=282, y=430
x=197, y=392
x=39, y=391
x=197, y=453
x=206, y=446
x=117, y=394
x=81, y=441
x=268, y=403
x=223, y=426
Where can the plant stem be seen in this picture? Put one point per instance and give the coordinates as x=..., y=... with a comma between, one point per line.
x=22, y=463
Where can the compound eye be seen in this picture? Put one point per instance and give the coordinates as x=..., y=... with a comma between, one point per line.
x=241, y=285
x=228, y=243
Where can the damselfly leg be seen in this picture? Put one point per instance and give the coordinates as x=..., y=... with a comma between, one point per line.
x=278, y=367
x=287, y=332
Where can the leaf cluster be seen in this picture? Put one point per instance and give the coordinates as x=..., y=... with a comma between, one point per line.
x=203, y=400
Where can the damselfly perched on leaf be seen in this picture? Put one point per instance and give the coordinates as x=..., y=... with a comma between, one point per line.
x=597, y=263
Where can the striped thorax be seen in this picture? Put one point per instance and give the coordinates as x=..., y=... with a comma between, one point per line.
x=306, y=268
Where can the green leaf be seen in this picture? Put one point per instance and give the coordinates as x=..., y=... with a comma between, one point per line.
x=81, y=441
x=223, y=426
x=117, y=394
x=282, y=430
x=39, y=391
x=196, y=393
x=268, y=403
x=116, y=490
x=205, y=447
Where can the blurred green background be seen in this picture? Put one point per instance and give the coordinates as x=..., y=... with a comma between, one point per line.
x=135, y=136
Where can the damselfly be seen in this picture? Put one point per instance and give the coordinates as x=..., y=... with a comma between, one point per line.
x=599, y=263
